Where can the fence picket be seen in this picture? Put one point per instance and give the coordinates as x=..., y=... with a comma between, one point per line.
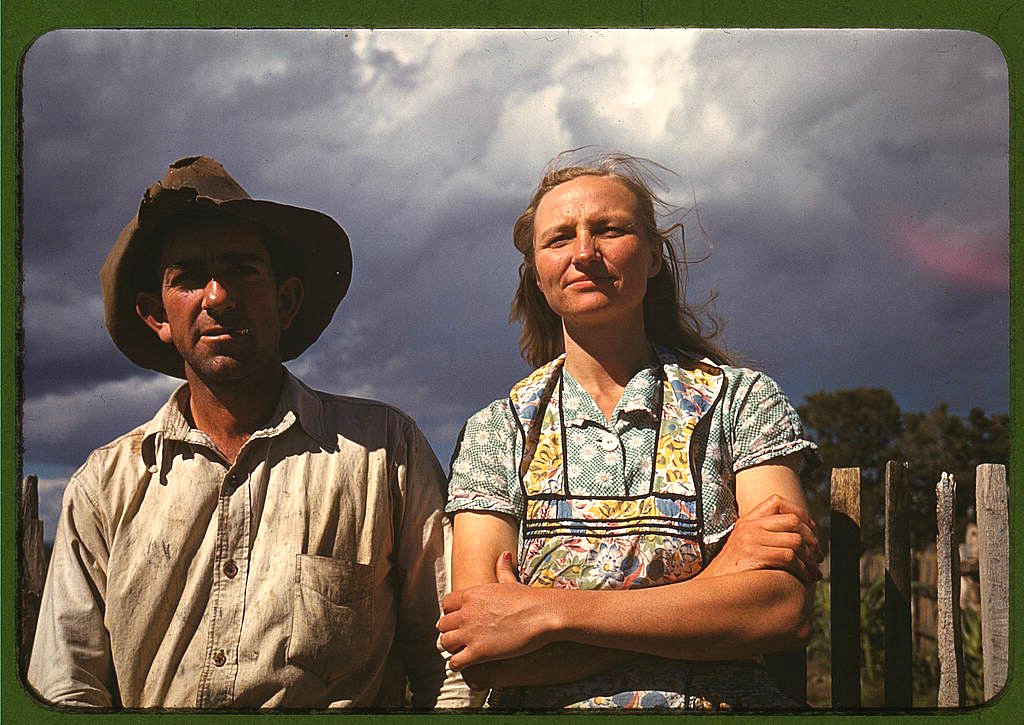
x=844, y=584
x=947, y=557
x=899, y=687
x=33, y=566
x=994, y=572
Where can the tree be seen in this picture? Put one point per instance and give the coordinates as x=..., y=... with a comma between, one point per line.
x=940, y=442
x=861, y=428
x=864, y=428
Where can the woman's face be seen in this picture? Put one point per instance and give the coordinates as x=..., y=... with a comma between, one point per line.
x=592, y=257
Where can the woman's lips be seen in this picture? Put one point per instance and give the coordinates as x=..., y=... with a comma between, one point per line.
x=588, y=282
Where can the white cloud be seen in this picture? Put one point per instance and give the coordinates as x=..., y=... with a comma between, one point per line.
x=121, y=403
x=797, y=145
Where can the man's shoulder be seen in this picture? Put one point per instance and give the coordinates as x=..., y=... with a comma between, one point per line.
x=123, y=455
x=354, y=404
x=361, y=418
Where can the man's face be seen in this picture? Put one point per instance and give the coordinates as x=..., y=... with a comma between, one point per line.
x=219, y=302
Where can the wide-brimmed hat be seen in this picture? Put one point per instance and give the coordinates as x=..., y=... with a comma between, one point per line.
x=316, y=246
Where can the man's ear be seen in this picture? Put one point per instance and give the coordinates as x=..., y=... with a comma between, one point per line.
x=289, y=300
x=151, y=309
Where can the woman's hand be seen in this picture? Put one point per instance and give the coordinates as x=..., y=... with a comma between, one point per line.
x=494, y=621
x=775, y=534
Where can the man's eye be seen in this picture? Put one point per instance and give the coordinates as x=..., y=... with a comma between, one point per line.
x=185, y=280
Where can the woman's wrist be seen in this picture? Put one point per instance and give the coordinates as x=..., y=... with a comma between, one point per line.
x=555, y=616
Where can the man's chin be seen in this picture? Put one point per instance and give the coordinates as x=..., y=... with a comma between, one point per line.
x=224, y=370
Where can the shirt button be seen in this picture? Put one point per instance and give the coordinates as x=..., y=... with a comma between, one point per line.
x=219, y=658
x=609, y=443
x=230, y=569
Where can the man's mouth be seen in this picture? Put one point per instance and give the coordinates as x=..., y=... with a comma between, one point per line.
x=225, y=333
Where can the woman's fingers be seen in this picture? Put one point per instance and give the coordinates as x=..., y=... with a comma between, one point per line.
x=776, y=504
x=448, y=623
x=463, y=658
x=452, y=602
x=793, y=561
x=451, y=642
x=792, y=523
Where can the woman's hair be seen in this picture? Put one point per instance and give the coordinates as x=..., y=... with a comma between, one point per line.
x=668, y=320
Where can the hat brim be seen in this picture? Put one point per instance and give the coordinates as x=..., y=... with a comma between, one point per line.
x=319, y=253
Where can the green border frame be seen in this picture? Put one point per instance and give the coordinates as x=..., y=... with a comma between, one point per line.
x=21, y=24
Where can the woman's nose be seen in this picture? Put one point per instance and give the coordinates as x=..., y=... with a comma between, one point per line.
x=586, y=249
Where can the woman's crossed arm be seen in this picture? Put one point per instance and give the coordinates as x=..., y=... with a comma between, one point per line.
x=754, y=597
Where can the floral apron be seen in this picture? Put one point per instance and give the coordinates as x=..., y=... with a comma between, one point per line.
x=618, y=542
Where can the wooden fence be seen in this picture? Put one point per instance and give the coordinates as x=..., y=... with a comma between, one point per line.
x=907, y=614
x=790, y=668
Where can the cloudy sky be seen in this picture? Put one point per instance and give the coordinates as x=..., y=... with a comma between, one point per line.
x=852, y=184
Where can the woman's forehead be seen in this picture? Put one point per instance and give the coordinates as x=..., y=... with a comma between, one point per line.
x=589, y=193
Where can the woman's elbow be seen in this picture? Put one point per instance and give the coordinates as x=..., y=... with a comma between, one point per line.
x=794, y=612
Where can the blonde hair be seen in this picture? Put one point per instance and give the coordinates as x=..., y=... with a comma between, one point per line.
x=668, y=320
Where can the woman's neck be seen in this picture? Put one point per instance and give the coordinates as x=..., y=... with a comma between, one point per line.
x=603, y=361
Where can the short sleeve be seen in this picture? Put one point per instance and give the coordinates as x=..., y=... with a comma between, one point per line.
x=763, y=423
x=483, y=475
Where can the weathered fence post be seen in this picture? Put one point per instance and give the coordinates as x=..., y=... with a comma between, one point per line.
x=994, y=572
x=33, y=567
x=844, y=582
x=947, y=557
x=899, y=688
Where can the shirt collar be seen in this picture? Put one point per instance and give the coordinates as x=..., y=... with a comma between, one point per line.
x=640, y=395
x=297, y=403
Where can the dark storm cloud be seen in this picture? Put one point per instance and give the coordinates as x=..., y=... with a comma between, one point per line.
x=853, y=184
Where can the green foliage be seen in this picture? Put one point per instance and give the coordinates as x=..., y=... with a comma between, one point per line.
x=872, y=630
x=974, y=677
x=925, y=663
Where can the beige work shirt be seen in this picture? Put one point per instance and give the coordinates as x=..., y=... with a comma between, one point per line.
x=306, y=574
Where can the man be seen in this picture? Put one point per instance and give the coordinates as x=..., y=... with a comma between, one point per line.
x=256, y=544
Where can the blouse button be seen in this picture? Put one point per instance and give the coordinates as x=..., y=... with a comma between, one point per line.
x=219, y=658
x=230, y=569
x=609, y=443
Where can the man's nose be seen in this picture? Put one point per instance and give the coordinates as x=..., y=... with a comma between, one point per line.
x=217, y=297
x=586, y=250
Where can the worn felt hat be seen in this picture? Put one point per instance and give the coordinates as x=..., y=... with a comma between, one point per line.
x=317, y=248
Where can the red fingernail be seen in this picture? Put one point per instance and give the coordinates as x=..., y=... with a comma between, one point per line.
x=507, y=556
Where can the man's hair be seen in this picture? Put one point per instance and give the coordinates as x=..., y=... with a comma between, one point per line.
x=668, y=320
x=148, y=276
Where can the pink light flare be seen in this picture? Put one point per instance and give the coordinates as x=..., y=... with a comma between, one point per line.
x=971, y=257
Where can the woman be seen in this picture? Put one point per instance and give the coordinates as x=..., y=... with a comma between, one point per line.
x=651, y=491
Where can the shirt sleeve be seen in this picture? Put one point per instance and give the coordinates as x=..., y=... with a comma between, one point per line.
x=763, y=423
x=483, y=474
x=423, y=559
x=71, y=661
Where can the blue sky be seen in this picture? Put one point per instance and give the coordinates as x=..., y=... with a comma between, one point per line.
x=851, y=186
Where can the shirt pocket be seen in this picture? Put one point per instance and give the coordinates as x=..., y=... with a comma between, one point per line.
x=332, y=618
